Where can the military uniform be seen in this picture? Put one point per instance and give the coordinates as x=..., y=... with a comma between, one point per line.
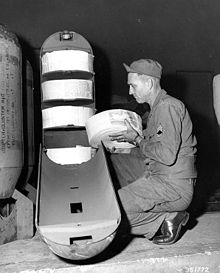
x=157, y=177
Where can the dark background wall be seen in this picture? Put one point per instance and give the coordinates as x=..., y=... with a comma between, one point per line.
x=184, y=36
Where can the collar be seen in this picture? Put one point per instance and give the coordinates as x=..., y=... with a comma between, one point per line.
x=162, y=93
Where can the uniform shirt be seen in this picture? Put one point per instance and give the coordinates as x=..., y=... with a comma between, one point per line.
x=169, y=145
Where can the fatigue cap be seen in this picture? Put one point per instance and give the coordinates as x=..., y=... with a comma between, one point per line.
x=145, y=66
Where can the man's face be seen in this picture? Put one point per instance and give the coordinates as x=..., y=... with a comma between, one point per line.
x=138, y=88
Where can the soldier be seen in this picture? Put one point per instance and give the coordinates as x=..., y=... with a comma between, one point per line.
x=157, y=178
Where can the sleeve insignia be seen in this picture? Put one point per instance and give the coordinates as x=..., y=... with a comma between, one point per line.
x=159, y=130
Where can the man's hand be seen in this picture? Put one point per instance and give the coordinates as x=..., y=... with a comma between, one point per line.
x=148, y=160
x=114, y=150
x=128, y=135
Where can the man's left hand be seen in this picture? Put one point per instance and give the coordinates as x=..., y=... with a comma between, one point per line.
x=128, y=135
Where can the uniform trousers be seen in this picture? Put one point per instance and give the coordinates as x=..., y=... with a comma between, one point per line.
x=148, y=199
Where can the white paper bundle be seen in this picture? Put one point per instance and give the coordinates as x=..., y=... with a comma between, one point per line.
x=67, y=156
x=216, y=96
x=67, y=60
x=68, y=89
x=103, y=124
x=62, y=116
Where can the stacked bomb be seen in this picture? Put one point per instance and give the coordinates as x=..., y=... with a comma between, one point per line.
x=11, y=123
x=17, y=144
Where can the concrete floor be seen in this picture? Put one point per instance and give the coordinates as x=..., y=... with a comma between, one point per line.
x=197, y=251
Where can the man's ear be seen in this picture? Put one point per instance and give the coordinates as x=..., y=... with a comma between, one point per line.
x=149, y=83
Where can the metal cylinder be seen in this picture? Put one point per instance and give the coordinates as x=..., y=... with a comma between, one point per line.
x=216, y=96
x=11, y=124
x=30, y=139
